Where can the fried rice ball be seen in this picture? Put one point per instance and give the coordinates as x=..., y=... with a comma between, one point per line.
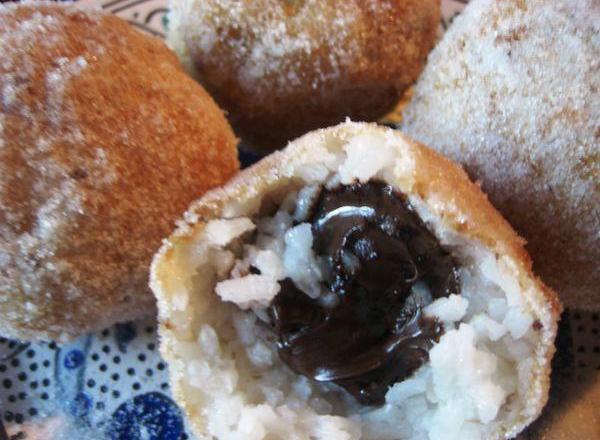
x=104, y=140
x=281, y=68
x=513, y=93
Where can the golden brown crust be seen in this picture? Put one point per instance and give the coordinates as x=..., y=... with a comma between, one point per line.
x=283, y=68
x=103, y=143
x=443, y=186
x=521, y=113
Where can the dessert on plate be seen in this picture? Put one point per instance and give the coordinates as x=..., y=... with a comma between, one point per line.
x=354, y=285
x=104, y=141
x=512, y=93
x=282, y=68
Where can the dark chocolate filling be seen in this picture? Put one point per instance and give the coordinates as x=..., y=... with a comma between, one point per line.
x=384, y=265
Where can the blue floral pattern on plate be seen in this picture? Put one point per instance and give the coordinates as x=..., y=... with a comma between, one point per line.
x=112, y=384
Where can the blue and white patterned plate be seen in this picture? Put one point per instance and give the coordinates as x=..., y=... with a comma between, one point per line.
x=112, y=384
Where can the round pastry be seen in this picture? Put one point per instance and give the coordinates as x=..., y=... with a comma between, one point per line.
x=104, y=141
x=282, y=68
x=513, y=94
x=354, y=285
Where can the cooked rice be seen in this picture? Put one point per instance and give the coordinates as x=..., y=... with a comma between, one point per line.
x=477, y=376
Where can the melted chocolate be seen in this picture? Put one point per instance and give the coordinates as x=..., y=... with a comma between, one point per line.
x=377, y=249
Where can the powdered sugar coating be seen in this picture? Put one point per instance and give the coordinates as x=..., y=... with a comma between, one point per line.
x=87, y=186
x=513, y=93
x=283, y=68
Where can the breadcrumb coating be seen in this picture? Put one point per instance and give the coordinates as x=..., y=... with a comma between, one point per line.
x=103, y=142
x=513, y=93
x=281, y=68
x=183, y=281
